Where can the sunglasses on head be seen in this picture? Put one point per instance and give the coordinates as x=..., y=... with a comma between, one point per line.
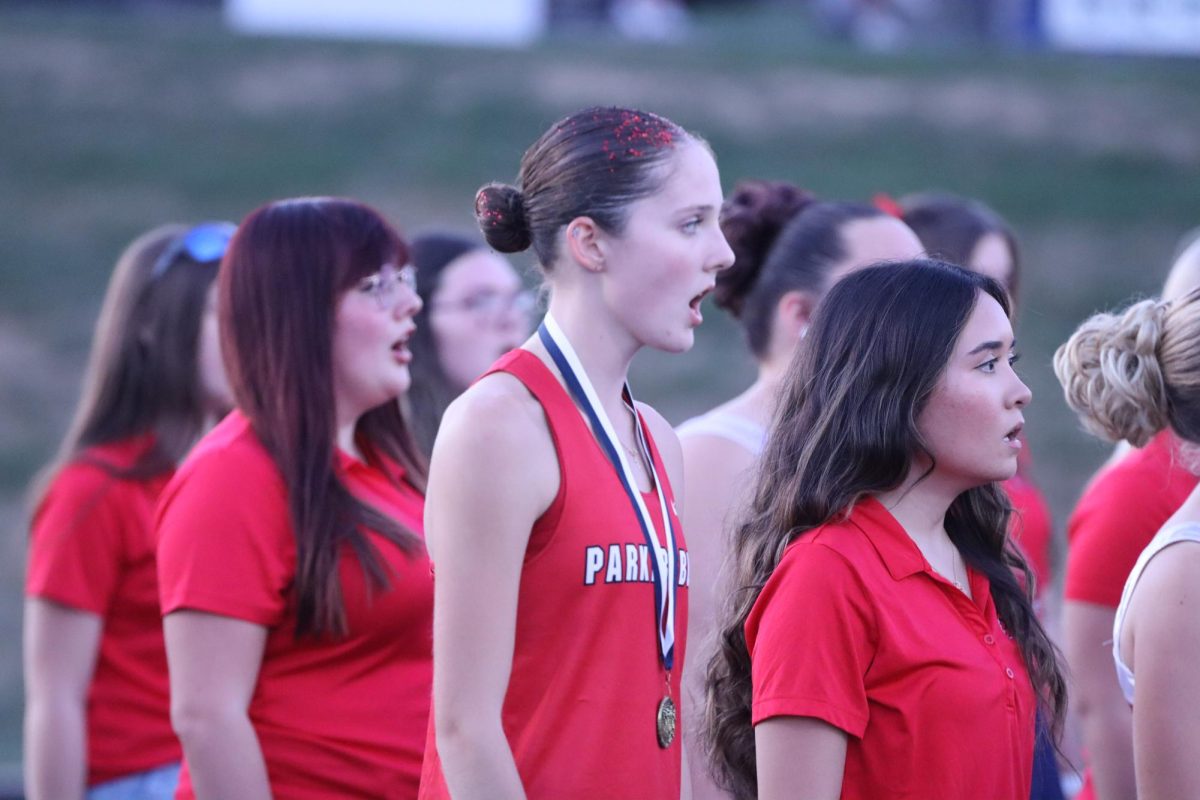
x=204, y=243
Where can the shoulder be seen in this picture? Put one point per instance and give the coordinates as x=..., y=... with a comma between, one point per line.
x=228, y=476
x=496, y=432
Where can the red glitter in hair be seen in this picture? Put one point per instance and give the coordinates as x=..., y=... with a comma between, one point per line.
x=637, y=135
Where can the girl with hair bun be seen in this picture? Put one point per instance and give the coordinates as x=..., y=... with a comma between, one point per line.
x=879, y=642
x=295, y=584
x=97, y=707
x=1132, y=376
x=562, y=573
x=790, y=248
x=1123, y=506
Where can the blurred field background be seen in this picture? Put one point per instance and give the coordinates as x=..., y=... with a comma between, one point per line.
x=113, y=121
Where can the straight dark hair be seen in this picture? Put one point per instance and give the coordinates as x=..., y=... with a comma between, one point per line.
x=950, y=228
x=287, y=267
x=142, y=376
x=846, y=428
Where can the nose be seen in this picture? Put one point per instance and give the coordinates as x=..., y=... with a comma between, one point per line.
x=408, y=302
x=1021, y=395
x=723, y=253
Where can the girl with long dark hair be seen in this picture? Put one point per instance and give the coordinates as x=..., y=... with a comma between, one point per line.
x=294, y=579
x=562, y=573
x=790, y=247
x=97, y=708
x=879, y=642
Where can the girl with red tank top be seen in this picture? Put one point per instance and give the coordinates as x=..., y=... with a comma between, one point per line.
x=560, y=597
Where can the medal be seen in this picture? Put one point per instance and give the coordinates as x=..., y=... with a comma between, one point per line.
x=664, y=563
x=666, y=722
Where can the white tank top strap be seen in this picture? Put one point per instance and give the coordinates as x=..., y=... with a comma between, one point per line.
x=1169, y=535
x=739, y=430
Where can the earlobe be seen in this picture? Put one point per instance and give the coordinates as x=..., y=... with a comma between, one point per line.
x=795, y=311
x=583, y=243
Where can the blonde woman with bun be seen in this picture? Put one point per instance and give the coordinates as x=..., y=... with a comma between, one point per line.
x=1130, y=377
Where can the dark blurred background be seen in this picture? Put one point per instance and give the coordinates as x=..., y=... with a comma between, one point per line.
x=117, y=115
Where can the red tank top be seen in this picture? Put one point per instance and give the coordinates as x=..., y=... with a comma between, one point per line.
x=586, y=680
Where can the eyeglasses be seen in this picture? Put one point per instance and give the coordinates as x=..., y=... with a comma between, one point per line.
x=385, y=284
x=492, y=304
x=204, y=244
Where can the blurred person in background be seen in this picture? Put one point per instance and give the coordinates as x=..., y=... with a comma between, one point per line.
x=473, y=310
x=1132, y=376
x=882, y=641
x=97, y=708
x=790, y=248
x=562, y=571
x=296, y=590
x=1122, y=507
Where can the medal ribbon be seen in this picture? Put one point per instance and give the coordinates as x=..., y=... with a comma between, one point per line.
x=576, y=378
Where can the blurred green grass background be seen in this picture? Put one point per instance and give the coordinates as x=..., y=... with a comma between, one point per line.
x=113, y=122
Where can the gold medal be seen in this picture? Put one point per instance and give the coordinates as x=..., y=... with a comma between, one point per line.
x=666, y=722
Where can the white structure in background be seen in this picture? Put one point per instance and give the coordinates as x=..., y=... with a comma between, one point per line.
x=496, y=22
x=1124, y=26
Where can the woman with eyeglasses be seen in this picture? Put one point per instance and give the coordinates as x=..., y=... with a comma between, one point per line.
x=474, y=311
x=296, y=591
x=97, y=710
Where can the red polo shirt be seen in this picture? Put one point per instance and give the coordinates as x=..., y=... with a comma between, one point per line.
x=92, y=549
x=335, y=716
x=855, y=628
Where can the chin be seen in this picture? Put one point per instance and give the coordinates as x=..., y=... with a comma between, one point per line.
x=677, y=343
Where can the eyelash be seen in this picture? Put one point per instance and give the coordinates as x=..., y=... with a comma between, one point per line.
x=691, y=225
x=990, y=364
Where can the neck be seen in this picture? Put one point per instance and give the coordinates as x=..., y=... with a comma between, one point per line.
x=920, y=506
x=345, y=438
x=604, y=350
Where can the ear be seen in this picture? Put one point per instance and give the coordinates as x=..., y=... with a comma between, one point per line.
x=583, y=237
x=793, y=313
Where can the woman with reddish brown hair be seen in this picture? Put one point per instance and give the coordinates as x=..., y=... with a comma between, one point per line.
x=294, y=580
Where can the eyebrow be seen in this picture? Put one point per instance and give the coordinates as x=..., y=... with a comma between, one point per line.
x=994, y=345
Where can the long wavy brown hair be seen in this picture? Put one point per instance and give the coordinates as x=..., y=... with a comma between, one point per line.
x=846, y=428
x=287, y=267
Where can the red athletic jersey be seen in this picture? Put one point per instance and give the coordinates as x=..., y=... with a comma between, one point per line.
x=855, y=628
x=1121, y=509
x=335, y=717
x=92, y=548
x=586, y=677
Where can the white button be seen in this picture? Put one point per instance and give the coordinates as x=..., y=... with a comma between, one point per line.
x=1008, y=671
x=989, y=639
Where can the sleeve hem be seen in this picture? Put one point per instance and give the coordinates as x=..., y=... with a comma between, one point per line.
x=221, y=606
x=852, y=722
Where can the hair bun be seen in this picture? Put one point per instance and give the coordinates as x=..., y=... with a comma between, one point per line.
x=1112, y=376
x=500, y=212
x=751, y=220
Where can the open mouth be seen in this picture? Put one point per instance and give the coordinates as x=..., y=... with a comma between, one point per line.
x=1015, y=434
x=695, y=302
x=400, y=346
